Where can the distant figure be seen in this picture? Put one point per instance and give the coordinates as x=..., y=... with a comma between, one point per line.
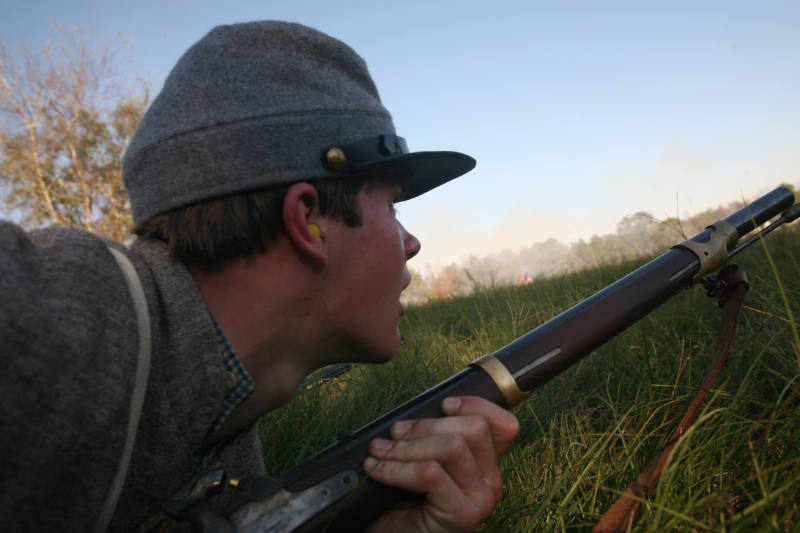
x=526, y=278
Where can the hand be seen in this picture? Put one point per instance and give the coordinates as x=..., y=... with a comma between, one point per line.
x=451, y=460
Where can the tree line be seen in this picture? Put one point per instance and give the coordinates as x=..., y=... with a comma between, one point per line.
x=640, y=235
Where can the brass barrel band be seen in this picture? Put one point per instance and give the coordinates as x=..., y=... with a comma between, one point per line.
x=714, y=253
x=502, y=378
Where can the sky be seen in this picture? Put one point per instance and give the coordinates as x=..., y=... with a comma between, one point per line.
x=578, y=113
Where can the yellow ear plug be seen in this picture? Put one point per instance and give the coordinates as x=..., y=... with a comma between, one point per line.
x=314, y=230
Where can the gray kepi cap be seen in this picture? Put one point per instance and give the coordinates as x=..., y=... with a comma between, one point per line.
x=261, y=104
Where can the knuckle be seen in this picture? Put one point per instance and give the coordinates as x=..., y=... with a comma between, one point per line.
x=496, y=486
x=471, y=515
x=430, y=472
x=512, y=427
x=455, y=446
x=480, y=426
x=486, y=502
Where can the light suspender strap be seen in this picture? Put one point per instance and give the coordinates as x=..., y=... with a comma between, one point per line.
x=139, y=387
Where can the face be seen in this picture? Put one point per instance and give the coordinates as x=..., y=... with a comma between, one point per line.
x=367, y=269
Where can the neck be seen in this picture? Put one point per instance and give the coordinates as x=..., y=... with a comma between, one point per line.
x=262, y=306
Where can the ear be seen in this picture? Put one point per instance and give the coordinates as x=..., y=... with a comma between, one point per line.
x=303, y=223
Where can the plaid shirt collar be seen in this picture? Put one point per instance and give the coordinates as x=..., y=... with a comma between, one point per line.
x=240, y=386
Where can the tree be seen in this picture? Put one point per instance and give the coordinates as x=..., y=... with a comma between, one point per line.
x=66, y=120
x=644, y=234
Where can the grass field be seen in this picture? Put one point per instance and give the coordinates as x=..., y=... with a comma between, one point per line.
x=588, y=433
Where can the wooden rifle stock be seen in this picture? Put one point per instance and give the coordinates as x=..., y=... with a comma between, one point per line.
x=331, y=487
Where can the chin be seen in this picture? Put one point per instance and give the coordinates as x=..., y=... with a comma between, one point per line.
x=378, y=350
x=385, y=355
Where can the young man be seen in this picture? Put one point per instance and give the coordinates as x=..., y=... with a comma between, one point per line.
x=262, y=182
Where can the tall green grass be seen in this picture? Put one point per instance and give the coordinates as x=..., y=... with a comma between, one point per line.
x=588, y=433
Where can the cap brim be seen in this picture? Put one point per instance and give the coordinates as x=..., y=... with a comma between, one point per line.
x=421, y=171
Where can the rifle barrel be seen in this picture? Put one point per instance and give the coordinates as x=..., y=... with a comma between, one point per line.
x=532, y=359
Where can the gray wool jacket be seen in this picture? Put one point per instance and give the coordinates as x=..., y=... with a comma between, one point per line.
x=68, y=352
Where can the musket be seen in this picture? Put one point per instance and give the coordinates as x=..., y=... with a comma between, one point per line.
x=331, y=492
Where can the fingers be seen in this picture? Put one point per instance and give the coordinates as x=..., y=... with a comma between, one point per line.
x=440, y=437
x=453, y=460
x=503, y=425
x=451, y=451
x=442, y=468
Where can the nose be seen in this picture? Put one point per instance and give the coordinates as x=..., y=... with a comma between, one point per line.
x=411, y=244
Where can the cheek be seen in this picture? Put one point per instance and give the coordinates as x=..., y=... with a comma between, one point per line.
x=382, y=275
x=389, y=244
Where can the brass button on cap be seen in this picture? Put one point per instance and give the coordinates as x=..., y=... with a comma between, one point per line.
x=336, y=158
